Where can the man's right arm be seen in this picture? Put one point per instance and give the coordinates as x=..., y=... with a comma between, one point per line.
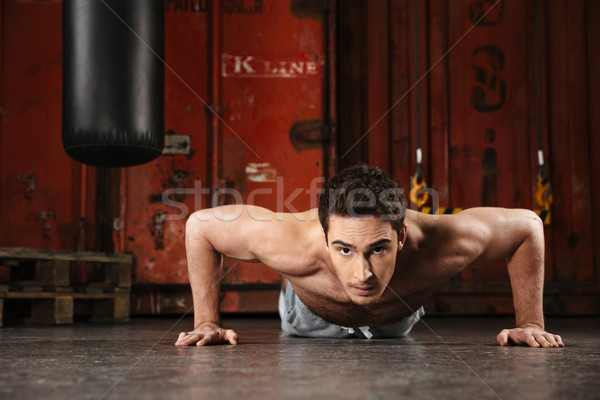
x=204, y=271
x=211, y=233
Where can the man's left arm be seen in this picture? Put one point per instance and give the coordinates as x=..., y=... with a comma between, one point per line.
x=518, y=235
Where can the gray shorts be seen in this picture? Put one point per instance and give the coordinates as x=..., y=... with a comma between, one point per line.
x=298, y=320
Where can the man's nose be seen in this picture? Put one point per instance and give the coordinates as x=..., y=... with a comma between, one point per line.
x=362, y=269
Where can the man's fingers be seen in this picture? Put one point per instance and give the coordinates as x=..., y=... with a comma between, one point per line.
x=502, y=337
x=554, y=340
x=204, y=337
x=535, y=338
x=182, y=339
x=531, y=341
x=231, y=336
x=550, y=339
x=542, y=340
x=559, y=340
x=186, y=339
x=207, y=339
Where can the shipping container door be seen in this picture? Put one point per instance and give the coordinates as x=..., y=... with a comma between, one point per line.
x=244, y=92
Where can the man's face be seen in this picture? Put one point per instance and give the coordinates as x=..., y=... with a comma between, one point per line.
x=363, y=252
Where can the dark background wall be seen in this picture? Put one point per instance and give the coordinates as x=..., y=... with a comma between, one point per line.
x=301, y=89
x=478, y=117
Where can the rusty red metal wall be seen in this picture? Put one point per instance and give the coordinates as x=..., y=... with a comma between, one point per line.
x=43, y=193
x=246, y=82
x=263, y=68
x=477, y=81
x=246, y=116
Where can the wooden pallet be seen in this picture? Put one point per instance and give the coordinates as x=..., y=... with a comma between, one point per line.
x=42, y=288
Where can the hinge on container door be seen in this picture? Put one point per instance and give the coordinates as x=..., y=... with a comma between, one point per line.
x=47, y=217
x=310, y=134
x=309, y=8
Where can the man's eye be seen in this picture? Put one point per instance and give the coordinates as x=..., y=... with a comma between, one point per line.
x=378, y=250
x=345, y=251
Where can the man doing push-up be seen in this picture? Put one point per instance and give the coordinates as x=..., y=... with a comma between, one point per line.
x=362, y=265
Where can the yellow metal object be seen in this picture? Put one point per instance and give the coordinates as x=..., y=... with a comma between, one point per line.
x=543, y=195
x=544, y=215
x=416, y=184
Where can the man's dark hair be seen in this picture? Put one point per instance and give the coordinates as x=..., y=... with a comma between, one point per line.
x=363, y=190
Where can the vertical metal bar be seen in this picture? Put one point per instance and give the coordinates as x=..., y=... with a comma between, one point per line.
x=329, y=89
x=2, y=158
x=122, y=209
x=563, y=258
x=579, y=135
x=400, y=115
x=81, y=242
x=438, y=99
x=215, y=90
x=593, y=32
x=417, y=74
x=378, y=84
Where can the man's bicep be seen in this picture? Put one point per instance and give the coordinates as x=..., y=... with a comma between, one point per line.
x=496, y=233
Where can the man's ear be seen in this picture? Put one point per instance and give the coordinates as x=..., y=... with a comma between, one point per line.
x=402, y=236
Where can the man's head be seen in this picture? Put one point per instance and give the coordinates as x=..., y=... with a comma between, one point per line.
x=362, y=213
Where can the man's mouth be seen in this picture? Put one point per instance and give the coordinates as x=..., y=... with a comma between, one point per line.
x=363, y=290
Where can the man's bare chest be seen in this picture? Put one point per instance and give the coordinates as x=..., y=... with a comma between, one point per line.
x=336, y=307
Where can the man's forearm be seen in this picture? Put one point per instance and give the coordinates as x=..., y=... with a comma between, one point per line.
x=526, y=270
x=204, y=267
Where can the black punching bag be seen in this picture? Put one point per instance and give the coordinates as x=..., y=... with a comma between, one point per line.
x=113, y=81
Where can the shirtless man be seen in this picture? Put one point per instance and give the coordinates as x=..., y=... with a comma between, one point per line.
x=362, y=264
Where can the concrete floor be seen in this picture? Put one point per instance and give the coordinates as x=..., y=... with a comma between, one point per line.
x=456, y=359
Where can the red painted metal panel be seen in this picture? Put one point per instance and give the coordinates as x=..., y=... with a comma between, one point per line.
x=478, y=117
x=439, y=107
x=537, y=39
x=42, y=188
x=154, y=230
x=488, y=88
x=557, y=71
x=400, y=82
x=489, y=138
x=378, y=99
x=578, y=132
x=418, y=94
x=482, y=110
x=272, y=117
x=593, y=53
x=262, y=70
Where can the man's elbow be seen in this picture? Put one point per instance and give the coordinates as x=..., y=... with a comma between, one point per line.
x=197, y=221
x=533, y=227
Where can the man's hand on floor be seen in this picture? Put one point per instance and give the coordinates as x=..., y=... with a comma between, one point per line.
x=206, y=334
x=531, y=335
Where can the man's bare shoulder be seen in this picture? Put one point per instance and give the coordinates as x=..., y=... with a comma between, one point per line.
x=467, y=220
x=487, y=232
x=283, y=241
